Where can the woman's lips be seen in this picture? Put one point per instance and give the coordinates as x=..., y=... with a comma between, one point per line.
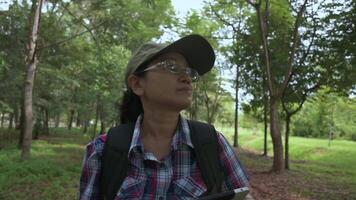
x=185, y=89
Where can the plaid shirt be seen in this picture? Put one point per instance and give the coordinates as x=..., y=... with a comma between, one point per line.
x=176, y=177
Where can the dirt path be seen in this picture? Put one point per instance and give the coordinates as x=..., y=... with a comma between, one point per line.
x=266, y=185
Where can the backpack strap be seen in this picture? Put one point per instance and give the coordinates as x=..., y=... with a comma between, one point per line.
x=115, y=159
x=206, y=148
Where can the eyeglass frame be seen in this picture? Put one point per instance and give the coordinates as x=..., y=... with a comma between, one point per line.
x=165, y=65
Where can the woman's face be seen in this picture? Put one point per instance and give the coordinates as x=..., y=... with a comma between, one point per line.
x=161, y=89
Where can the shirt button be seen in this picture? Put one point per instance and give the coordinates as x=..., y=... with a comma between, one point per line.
x=161, y=198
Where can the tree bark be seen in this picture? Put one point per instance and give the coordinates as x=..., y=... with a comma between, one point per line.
x=21, y=126
x=207, y=100
x=96, y=120
x=278, y=161
x=265, y=118
x=78, y=122
x=46, y=122
x=194, y=106
x=57, y=120
x=102, y=127
x=11, y=120
x=2, y=120
x=28, y=117
x=16, y=116
x=70, y=122
x=236, y=134
x=36, y=130
x=286, y=152
x=31, y=62
x=86, y=123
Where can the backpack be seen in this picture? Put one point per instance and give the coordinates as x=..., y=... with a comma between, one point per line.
x=115, y=160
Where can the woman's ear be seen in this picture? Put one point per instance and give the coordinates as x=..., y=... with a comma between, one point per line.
x=135, y=84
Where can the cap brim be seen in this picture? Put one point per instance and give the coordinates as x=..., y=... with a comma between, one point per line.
x=196, y=50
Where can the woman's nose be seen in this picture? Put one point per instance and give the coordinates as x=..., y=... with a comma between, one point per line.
x=185, y=78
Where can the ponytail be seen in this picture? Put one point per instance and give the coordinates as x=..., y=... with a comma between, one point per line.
x=130, y=108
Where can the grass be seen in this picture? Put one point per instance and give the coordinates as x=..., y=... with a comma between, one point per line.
x=51, y=173
x=54, y=168
x=329, y=167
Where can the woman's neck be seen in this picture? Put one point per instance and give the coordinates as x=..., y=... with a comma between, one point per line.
x=159, y=124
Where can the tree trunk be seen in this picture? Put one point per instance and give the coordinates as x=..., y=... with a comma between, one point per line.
x=236, y=134
x=265, y=121
x=46, y=122
x=86, y=123
x=11, y=120
x=21, y=126
x=102, y=127
x=286, y=151
x=195, y=107
x=2, y=120
x=208, y=114
x=16, y=116
x=28, y=117
x=57, y=120
x=96, y=120
x=70, y=122
x=278, y=161
x=78, y=122
x=31, y=62
x=37, y=128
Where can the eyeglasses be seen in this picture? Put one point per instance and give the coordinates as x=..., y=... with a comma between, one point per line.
x=175, y=68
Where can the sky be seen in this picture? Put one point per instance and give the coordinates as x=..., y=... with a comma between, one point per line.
x=183, y=6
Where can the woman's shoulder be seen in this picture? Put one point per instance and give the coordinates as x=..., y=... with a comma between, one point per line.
x=96, y=145
x=221, y=138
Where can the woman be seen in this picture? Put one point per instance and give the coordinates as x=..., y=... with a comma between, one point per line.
x=162, y=162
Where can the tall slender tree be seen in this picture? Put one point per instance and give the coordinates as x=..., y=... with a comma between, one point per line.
x=276, y=89
x=31, y=63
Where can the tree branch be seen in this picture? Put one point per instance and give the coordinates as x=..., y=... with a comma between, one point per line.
x=222, y=19
x=300, y=104
x=294, y=46
x=72, y=37
x=262, y=24
x=79, y=20
x=313, y=14
x=254, y=3
x=305, y=55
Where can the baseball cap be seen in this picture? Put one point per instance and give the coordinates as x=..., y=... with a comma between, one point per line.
x=194, y=48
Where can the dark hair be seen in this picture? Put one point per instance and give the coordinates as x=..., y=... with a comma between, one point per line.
x=131, y=106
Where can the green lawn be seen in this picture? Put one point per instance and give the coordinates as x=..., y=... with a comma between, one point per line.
x=51, y=173
x=330, y=168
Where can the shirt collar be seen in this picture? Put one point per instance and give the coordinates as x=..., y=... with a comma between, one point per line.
x=182, y=135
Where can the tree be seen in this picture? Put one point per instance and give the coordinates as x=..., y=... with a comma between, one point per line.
x=208, y=92
x=14, y=29
x=336, y=52
x=276, y=87
x=327, y=114
x=31, y=62
x=292, y=102
x=224, y=12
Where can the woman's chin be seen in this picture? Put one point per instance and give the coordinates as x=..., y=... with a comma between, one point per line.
x=185, y=104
